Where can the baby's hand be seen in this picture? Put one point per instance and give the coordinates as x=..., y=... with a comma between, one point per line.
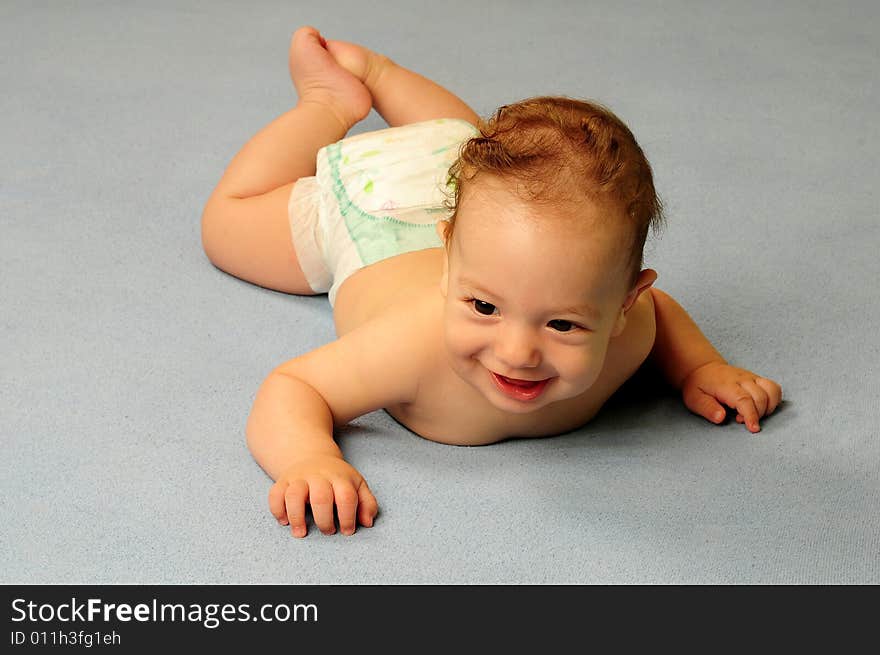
x=320, y=480
x=751, y=395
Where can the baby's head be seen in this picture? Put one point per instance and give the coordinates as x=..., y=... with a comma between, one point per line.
x=550, y=210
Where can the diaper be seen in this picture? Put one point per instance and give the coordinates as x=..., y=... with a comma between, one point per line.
x=374, y=195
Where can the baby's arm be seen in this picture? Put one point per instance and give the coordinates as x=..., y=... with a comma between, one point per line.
x=690, y=363
x=290, y=428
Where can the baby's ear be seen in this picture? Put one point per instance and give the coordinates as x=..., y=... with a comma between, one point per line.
x=440, y=227
x=646, y=278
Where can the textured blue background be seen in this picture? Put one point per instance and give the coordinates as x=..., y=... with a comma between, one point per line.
x=129, y=363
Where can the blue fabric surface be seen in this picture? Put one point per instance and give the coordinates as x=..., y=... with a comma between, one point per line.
x=129, y=363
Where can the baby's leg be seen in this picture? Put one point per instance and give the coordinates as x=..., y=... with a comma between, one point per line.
x=245, y=225
x=400, y=95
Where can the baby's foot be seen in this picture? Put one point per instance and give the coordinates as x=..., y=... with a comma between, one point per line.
x=361, y=62
x=319, y=79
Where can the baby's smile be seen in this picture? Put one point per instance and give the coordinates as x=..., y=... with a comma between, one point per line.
x=522, y=390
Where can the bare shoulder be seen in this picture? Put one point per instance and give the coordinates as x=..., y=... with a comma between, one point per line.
x=374, y=366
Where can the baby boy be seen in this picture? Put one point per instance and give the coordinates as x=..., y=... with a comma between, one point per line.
x=485, y=276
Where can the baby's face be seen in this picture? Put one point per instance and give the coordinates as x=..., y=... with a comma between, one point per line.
x=530, y=295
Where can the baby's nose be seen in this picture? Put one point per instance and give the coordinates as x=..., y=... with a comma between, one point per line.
x=517, y=348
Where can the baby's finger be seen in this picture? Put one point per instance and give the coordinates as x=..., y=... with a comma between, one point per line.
x=346, y=505
x=321, y=500
x=745, y=405
x=367, y=505
x=773, y=390
x=295, y=502
x=703, y=404
x=276, y=502
x=758, y=395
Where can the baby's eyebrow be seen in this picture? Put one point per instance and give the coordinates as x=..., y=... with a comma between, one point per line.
x=580, y=310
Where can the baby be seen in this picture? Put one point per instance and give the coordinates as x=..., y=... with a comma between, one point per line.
x=485, y=276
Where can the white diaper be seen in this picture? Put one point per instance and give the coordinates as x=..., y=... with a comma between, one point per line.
x=374, y=195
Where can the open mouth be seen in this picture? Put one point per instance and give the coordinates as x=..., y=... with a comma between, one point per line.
x=520, y=389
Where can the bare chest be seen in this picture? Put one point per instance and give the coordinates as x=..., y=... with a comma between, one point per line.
x=449, y=410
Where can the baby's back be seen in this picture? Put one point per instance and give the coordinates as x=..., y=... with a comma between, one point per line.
x=373, y=289
x=445, y=408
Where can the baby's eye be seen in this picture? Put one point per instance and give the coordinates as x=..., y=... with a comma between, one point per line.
x=484, y=308
x=562, y=326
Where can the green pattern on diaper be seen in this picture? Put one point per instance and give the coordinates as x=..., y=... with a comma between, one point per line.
x=379, y=237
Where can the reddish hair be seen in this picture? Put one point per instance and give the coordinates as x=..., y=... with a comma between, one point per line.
x=563, y=149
